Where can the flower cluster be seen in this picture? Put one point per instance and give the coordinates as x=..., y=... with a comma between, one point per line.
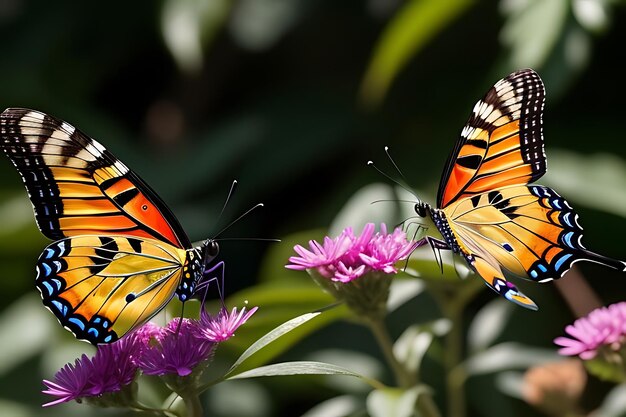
x=348, y=257
x=605, y=326
x=174, y=350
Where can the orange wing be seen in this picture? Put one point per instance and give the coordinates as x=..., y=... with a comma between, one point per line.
x=502, y=142
x=77, y=187
x=528, y=230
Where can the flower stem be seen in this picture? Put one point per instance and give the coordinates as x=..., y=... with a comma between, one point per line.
x=193, y=405
x=455, y=389
x=403, y=378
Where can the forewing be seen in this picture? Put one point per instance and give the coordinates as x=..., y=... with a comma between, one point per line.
x=502, y=142
x=77, y=187
x=529, y=230
x=101, y=287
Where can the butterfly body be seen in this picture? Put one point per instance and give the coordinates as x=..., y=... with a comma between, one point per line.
x=119, y=254
x=487, y=209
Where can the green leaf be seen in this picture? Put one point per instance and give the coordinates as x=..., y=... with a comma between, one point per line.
x=507, y=356
x=488, y=324
x=577, y=176
x=614, y=404
x=341, y=406
x=605, y=370
x=394, y=402
x=302, y=368
x=415, y=24
x=412, y=345
x=272, y=336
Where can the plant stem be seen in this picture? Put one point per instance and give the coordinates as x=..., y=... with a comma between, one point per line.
x=404, y=379
x=193, y=405
x=455, y=389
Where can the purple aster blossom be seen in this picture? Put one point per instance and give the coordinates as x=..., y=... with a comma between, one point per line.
x=177, y=351
x=70, y=382
x=605, y=326
x=222, y=326
x=111, y=369
x=348, y=257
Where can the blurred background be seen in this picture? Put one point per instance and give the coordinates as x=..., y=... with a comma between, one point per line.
x=292, y=98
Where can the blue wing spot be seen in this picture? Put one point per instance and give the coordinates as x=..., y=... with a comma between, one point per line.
x=61, y=246
x=48, y=287
x=47, y=269
x=560, y=262
x=556, y=203
x=93, y=331
x=567, y=220
x=60, y=307
x=567, y=239
x=533, y=273
x=57, y=283
x=77, y=322
x=49, y=253
x=96, y=320
x=58, y=265
x=507, y=247
x=542, y=268
x=105, y=324
x=108, y=339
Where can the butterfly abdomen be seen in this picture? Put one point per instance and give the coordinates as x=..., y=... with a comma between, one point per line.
x=191, y=276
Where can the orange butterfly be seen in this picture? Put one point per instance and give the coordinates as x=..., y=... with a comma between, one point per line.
x=486, y=210
x=120, y=255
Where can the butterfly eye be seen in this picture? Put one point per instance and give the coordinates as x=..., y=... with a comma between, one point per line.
x=420, y=210
x=212, y=249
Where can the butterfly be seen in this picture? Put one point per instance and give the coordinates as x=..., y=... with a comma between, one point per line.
x=119, y=254
x=489, y=212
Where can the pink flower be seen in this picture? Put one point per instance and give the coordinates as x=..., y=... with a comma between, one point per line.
x=222, y=326
x=348, y=257
x=605, y=326
x=176, y=349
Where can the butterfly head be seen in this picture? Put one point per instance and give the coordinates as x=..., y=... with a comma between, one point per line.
x=210, y=250
x=422, y=209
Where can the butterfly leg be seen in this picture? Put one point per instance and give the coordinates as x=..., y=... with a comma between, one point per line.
x=494, y=278
x=437, y=246
x=208, y=277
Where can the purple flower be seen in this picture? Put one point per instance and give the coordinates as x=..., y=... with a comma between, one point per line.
x=605, y=326
x=111, y=369
x=177, y=351
x=223, y=326
x=348, y=257
x=70, y=382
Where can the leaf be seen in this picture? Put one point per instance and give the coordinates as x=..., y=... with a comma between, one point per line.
x=415, y=24
x=272, y=336
x=412, y=345
x=394, y=402
x=403, y=290
x=506, y=356
x=25, y=330
x=577, y=176
x=488, y=324
x=614, y=404
x=361, y=209
x=532, y=31
x=342, y=406
x=302, y=368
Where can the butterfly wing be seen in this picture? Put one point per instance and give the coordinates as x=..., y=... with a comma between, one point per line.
x=502, y=142
x=101, y=287
x=77, y=187
x=528, y=230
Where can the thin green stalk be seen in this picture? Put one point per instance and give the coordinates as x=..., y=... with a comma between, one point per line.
x=193, y=405
x=403, y=378
x=455, y=389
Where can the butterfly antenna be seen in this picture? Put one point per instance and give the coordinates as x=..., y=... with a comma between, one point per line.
x=394, y=163
x=237, y=219
x=259, y=239
x=371, y=163
x=392, y=201
x=230, y=194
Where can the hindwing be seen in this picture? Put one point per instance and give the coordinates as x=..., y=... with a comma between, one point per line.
x=77, y=187
x=529, y=230
x=101, y=287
